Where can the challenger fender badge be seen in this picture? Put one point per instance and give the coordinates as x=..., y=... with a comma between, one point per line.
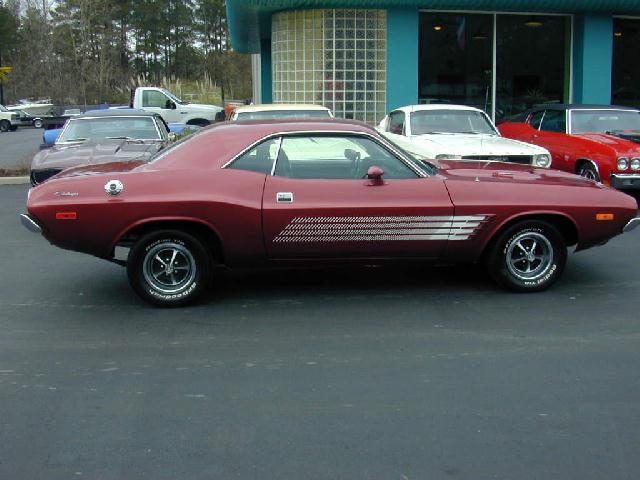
x=113, y=187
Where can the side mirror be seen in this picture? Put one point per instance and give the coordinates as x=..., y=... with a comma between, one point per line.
x=375, y=173
x=219, y=116
x=169, y=105
x=172, y=136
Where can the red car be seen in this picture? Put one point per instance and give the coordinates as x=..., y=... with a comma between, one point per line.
x=596, y=141
x=319, y=191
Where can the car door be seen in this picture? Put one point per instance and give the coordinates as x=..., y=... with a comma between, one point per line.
x=553, y=136
x=158, y=102
x=319, y=203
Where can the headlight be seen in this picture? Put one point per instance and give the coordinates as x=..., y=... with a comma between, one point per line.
x=543, y=161
x=635, y=164
x=448, y=156
x=623, y=163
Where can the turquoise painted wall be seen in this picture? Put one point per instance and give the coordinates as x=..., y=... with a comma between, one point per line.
x=593, y=56
x=265, y=69
x=402, y=57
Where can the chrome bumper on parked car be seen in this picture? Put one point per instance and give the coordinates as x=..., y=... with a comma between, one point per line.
x=631, y=224
x=30, y=223
x=625, y=181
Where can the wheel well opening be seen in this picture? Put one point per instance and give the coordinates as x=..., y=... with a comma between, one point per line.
x=199, y=122
x=565, y=226
x=207, y=236
x=580, y=162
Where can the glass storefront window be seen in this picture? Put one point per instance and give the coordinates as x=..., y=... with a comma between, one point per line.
x=626, y=69
x=456, y=59
x=531, y=63
x=531, y=59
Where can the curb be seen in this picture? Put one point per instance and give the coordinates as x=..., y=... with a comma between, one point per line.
x=14, y=180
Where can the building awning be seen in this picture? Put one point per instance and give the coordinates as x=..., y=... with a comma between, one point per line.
x=250, y=20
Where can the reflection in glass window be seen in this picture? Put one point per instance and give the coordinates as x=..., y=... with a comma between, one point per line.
x=531, y=59
x=154, y=99
x=626, y=68
x=450, y=121
x=456, y=59
x=258, y=159
x=141, y=128
x=602, y=121
x=329, y=157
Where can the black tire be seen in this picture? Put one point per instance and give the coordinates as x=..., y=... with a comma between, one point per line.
x=4, y=125
x=587, y=170
x=529, y=256
x=164, y=282
x=38, y=123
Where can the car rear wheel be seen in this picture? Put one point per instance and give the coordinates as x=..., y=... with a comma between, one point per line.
x=4, y=125
x=587, y=170
x=528, y=256
x=169, y=268
x=38, y=123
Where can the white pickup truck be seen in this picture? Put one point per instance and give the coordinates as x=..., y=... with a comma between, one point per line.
x=173, y=109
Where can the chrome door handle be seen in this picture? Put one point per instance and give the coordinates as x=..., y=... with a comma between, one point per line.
x=284, y=197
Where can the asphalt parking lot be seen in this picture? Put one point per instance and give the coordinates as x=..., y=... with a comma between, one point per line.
x=18, y=148
x=375, y=373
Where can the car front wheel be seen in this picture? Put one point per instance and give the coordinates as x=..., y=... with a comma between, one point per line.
x=528, y=256
x=4, y=125
x=169, y=268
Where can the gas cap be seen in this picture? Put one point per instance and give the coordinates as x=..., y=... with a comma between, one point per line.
x=113, y=187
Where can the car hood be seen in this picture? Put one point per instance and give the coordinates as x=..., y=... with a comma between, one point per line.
x=503, y=172
x=91, y=152
x=617, y=143
x=474, y=144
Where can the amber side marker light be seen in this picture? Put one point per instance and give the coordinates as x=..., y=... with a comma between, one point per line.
x=66, y=215
x=604, y=216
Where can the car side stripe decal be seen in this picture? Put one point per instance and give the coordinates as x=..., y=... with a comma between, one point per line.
x=376, y=229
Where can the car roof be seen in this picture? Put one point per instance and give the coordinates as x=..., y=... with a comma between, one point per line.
x=436, y=106
x=116, y=113
x=269, y=107
x=579, y=106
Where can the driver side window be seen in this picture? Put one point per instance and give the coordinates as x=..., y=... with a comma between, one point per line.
x=154, y=99
x=536, y=119
x=336, y=157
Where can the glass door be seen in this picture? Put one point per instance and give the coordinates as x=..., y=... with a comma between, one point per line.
x=626, y=69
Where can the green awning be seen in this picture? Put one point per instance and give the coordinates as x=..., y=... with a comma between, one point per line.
x=250, y=20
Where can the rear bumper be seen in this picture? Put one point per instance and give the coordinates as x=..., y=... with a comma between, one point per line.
x=30, y=223
x=625, y=181
x=631, y=224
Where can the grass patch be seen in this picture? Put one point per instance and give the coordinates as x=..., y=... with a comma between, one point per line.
x=14, y=172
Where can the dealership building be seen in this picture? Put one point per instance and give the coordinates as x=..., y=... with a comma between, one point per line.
x=362, y=58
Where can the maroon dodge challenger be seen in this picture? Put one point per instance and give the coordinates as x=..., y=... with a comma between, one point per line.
x=319, y=191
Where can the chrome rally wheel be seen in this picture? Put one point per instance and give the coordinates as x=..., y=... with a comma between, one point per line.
x=529, y=256
x=169, y=268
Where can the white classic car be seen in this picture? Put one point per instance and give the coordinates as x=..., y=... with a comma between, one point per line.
x=457, y=132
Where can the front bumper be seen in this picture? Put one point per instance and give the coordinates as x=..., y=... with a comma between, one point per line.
x=625, y=181
x=29, y=223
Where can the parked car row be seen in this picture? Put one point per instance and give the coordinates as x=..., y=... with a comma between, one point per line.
x=431, y=183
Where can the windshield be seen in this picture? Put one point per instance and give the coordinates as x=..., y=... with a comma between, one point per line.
x=135, y=128
x=603, y=121
x=173, y=97
x=451, y=121
x=269, y=114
